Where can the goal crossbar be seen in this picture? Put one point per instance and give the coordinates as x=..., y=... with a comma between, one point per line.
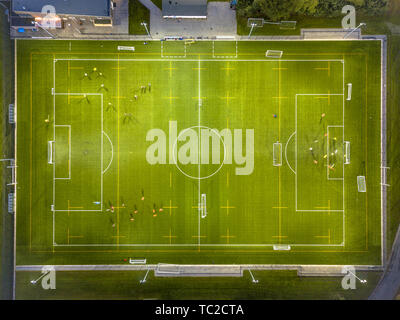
x=274, y=54
x=277, y=154
x=50, y=151
x=347, y=152
x=203, y=205
x=361, y=184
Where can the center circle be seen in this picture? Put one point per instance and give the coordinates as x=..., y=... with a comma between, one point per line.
x=199, y=144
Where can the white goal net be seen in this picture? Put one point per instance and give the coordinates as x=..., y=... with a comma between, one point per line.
x=50, y=152
x=361, y=184
x=346, y=152
x=284, y=247
x=203, y=205
x=274, y=54
x=277, y=154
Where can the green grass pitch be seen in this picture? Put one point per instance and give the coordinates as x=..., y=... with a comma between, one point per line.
x=124, y=131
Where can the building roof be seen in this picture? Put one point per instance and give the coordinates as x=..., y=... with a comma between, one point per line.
x=98, y=8
x=184, y=8
x=23, y=22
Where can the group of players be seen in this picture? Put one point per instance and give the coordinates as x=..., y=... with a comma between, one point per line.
x=155, y=210
x=333, y=154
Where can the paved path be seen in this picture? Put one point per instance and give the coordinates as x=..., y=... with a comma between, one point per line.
x=221, y=20
x=389, y=284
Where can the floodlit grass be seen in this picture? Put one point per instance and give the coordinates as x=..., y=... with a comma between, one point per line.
x=101, y=146
x=125, y=285
x=138, y=13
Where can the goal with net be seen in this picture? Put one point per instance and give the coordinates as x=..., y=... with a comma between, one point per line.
x=137, y=260
x=50, y=150
x=255, y=22
x=203, y=205
x=362, y=186
x=346, y=152
x=349, y=87
x=274, y=54
x=277, y=154
x=126, y=48
x=288, y=25
x=282, y=247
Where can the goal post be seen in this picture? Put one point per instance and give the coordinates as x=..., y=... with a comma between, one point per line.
x=255, y=22
x=349, y=88
x=274, y=54
x=282, y=247
x=288, y=25
x=203, y=205
x=347, y=152
x=50, y=152
x=137, y=260
x=277, y=154
x=361, y=184
x=384, y=176
x=126, y=48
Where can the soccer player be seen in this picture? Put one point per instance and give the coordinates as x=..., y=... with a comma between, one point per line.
x=131, y=217
x=142, y=195
x=322, y=116
x=85, y=75
x=135, y=97
x=149, y=87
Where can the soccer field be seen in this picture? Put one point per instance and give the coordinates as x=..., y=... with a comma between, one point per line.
x=210, y=152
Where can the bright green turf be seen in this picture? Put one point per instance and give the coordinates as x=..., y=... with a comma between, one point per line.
x=236, y=95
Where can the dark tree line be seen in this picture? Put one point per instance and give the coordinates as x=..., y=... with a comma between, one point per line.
x=276, y=10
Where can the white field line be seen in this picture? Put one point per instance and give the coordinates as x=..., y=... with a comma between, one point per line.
x=198, y=244
x=202, y=60
x=54, y=139
x=296, y=208
x=194, y=245
x=287, y=142
x=199, y=152
x=344, y=194
x=112, y=152
x=101, y=148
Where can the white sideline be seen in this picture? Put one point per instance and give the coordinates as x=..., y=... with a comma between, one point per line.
x=112, y=152
x=199, y=230
x=54, y=137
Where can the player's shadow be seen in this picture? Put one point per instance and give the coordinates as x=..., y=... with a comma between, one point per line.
x=84, y=99
x=102, y=89
x=111, y=107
